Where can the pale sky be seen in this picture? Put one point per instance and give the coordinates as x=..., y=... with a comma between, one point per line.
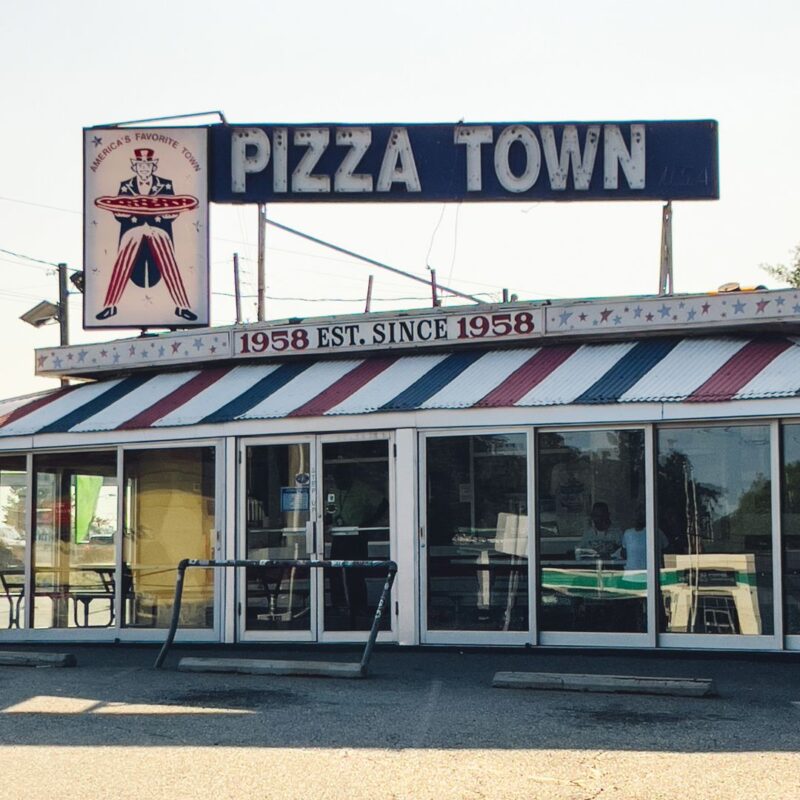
x=69, y=65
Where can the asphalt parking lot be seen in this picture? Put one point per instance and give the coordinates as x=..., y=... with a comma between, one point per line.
x=426, y=724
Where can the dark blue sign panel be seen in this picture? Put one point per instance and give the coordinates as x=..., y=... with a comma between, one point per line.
x=464, y=162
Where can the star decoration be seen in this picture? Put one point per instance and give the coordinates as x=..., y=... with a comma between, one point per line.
x=196, y=225
x=82, y=355
x=738, y=307
x=70, y=356
x=691, y=315
x=212, y=349
x=605, y=314
x=665, y=310
x=761, y=305
x=176, y=346
x=796, y=308
x=57, y=362
x=617, y=320
x=97, y=141
x=42, y=359
x=564, y=317
x=637, y=312
x=582, y=317
x=779, y=301
x=649, y=317
x=705, y=307
x=132, y=351
x=104, y=354
x=116, y=358
x=594, y=322
x=198, y=344
x=161, y=351
x=681, y=304
x=144, y=353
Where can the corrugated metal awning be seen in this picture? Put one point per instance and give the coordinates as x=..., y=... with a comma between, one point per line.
x=652, y=370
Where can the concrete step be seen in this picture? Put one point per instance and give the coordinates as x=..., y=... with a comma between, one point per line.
x=249, y=666
x=624, y=684
x=14, y=658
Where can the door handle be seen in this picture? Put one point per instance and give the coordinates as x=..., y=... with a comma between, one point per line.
x=311, y=538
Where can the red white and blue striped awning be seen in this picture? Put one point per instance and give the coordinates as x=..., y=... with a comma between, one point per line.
x=652, y=370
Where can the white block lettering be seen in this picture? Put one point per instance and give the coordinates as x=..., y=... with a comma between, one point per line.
x=250, y=151
x=398, y=165
x=280, y=160
x=533, y=153
x=558, y=163
x=473, y=136
x=616, y=153
x=346, y=179
x=316, y=140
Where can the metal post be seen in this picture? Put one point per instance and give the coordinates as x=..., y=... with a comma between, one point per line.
x=505, y=295
x=665, y=284
x=262, y=229
x=434, y=295
x=237, y=290
x=369, y=294
x=63, y=310
x=176, y=613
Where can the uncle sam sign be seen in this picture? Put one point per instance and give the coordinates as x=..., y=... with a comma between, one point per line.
x=145, y=227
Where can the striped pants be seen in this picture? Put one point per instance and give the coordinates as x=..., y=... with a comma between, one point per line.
x=161, y=250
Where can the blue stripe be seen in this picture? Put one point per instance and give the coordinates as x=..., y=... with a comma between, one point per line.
x=633, y=366
x=259, y=391
x=431, y=382
x=96, y=405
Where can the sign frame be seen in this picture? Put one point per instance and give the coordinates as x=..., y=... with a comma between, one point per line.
x=194, y=296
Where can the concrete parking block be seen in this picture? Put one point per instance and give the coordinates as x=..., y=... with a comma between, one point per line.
x=13, y=658
x=248, y=666
x=623, y=684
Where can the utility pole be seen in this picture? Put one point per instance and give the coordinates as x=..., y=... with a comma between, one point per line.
x=262, y=245
x=63, y=310
x=665, y=284
x=369, y=295
x=237, y=288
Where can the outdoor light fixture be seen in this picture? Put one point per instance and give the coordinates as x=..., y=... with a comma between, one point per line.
x=77, y=280
x=41, y=314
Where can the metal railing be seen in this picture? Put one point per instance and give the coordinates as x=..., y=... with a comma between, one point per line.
x=186, y=563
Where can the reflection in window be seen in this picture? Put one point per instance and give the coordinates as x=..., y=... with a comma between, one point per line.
x=790, y=526
x=12, y=541
x=592, y=534
x=714, y=509
x=74, y=531
x=169, y=516
x=477, y=532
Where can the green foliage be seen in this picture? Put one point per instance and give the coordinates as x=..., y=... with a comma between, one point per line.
x=787, y=273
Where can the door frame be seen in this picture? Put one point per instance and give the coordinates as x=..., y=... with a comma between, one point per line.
x=315, y=632
x=240, y=593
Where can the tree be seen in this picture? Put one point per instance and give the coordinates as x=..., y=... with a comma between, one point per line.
x=789, y=274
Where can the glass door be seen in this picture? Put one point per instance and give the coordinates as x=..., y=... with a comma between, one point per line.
x=278, y=522
x=356, y=512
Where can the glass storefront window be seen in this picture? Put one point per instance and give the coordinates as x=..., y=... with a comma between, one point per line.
x=169, y=516
x=278, y=511
x=355, y=486
x=790, y=526
x=74, y=531
x=477, y=532
x=591, y=530
x=714, y=509
x=13, y=495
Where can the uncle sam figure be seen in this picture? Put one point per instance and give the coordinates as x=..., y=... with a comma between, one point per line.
x=146, y=251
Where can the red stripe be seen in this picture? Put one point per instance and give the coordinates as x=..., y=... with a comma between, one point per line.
x=739, y=370
x=181, y=395
x=27, y=408
x=529, y=375
x=343, y=388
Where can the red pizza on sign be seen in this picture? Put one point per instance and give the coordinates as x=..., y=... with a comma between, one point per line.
x=147, y=206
